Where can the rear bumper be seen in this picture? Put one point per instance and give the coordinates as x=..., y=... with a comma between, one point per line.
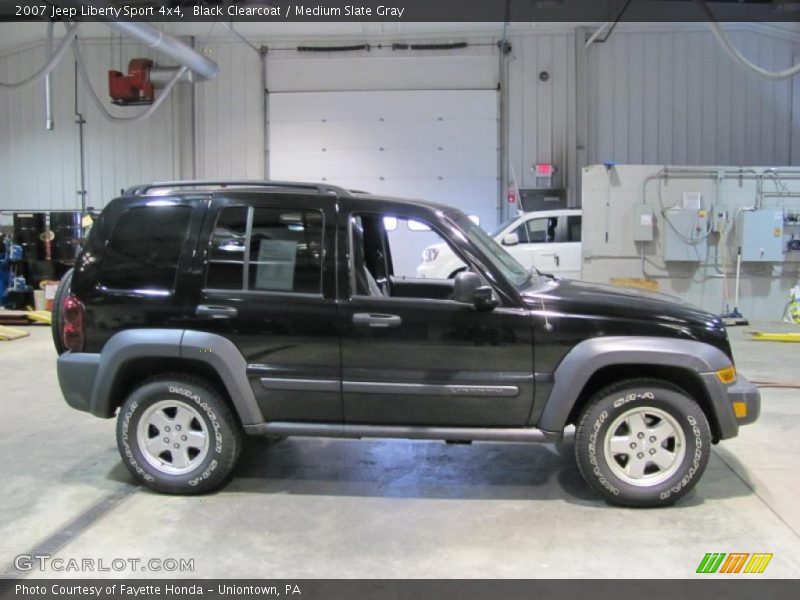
x=736, y=404
x=77, y=373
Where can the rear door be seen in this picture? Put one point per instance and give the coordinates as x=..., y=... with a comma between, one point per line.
x=268, y=285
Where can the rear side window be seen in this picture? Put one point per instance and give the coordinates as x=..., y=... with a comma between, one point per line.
x=574, y=228
x=266, y=249
x=145, y=248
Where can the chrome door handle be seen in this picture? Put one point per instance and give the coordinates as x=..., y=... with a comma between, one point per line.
x=376, y=320
x=215, y=312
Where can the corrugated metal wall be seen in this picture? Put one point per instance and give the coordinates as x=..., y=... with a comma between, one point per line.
x=676, y=98
x=39, y=169
x=541, y=113
x=229, y=118
x=663, y=94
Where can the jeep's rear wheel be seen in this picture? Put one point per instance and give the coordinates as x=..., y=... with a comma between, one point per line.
x=177, y=435
x=642, y=443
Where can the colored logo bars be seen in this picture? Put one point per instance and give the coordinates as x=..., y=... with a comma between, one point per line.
x=735, y=562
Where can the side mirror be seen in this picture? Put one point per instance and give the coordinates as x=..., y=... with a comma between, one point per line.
x=470, y=289
x=510, y=239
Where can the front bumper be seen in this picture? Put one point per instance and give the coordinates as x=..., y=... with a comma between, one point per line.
x=76, y=376
x=738, y=403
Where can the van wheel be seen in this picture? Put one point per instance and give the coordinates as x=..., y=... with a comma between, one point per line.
x=642, y=443
x=57, y=320
x=177, y=435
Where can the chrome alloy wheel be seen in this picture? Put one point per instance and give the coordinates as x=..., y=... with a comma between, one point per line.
x=644, y=446
x=173, y=437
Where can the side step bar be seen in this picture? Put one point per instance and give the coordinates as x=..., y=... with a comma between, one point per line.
x=477, y=434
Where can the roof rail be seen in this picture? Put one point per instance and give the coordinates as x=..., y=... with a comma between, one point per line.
x=141, y=190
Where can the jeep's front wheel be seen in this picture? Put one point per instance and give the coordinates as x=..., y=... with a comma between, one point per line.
x=642, y=443
x=177, y=435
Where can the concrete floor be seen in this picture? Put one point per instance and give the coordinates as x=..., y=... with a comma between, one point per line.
x=307, y=508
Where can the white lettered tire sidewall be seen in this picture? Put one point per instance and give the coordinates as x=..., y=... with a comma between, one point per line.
x=224, y=443
x=610, y=403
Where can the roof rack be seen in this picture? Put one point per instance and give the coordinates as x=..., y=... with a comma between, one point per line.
x=141, y=190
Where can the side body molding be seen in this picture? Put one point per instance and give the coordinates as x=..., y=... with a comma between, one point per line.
x=214, y=350
x=589, y=356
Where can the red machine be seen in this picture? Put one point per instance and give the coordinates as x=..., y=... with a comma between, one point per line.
x=133, y=88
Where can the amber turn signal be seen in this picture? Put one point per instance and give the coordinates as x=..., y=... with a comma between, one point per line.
x=727, y=375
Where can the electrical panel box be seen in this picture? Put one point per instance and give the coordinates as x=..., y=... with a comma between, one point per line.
x=686, y=235
x=760, y=235
x=719, y=219
x=643, y=223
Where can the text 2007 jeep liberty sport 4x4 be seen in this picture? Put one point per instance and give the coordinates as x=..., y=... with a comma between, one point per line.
x=200, y=311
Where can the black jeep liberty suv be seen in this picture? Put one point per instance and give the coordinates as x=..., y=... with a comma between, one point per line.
x=201, y=311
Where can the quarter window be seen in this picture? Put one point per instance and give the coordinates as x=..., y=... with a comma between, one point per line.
x=266, y=249
x=145, y=248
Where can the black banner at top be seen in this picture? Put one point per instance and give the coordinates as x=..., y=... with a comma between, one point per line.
x=401, y=10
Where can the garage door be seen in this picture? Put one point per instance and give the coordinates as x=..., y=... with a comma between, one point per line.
x=437, y=145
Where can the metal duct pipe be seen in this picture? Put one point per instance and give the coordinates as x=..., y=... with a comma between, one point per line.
x=48, y=82
x=204, y=68
x=161, y=76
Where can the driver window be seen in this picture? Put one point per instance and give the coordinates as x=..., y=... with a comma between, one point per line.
x=542, y=231
x=397, y=257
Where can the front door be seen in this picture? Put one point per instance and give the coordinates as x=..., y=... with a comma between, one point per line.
x=413, y=356
x=269, y=287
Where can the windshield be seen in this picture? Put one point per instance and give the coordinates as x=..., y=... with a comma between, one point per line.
x=496, y=231
x=502, y=260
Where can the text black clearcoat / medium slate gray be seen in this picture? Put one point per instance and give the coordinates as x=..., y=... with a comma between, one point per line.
x=411, y=362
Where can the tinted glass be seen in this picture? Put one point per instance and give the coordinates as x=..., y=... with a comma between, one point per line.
x=226, y=256
x=144, y=249
x=574, y=229
x=284, y=251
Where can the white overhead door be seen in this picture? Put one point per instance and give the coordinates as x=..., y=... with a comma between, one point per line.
x=438, y=145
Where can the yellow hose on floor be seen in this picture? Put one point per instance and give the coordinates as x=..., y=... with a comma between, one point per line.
x=11, y=333
x=775, y=337
x=40, y=316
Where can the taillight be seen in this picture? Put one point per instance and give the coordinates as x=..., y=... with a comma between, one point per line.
x=73, y=323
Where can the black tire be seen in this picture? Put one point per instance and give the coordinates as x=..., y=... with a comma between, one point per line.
x=57, y=316
x=212, y=463
x=620, y=406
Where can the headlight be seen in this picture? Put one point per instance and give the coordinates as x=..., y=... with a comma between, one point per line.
x=430, y=254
